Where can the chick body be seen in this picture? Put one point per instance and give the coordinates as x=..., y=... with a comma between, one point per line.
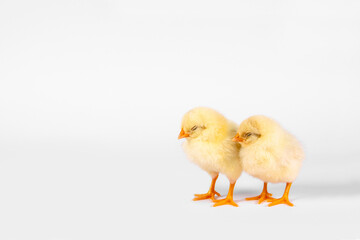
x=209, y=145
x=274, y=157
x=216, y=155
x=269, y=153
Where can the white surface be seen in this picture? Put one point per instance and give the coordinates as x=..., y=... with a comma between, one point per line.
x=91, y=97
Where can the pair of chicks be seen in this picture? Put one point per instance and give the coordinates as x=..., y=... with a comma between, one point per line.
x=259, y=146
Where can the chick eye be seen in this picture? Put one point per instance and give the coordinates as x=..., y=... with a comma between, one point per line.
x=248, y=134
x=194, y=128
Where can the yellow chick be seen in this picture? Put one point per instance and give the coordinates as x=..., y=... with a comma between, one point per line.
x=209, y=145
x=269, y=153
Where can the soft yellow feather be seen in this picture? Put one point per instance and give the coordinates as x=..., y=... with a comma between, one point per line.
x=210, y=145
x=270, y=153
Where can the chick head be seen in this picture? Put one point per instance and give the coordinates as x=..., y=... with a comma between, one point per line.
x=203, y=124
x=253, y=128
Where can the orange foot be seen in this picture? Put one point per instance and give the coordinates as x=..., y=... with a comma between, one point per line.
x=262, y=197
x=226, y=201
x=208, y=195
x=229, y=198
x=284, y=199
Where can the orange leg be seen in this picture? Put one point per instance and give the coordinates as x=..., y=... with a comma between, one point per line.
x=284, y=199
x=210, y=194
x=229, y=198
x=263, y=196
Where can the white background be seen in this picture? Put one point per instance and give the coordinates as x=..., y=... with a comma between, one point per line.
x=92, y=94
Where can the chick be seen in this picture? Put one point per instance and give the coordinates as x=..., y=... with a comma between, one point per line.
x=209, y=145
x=269, y=153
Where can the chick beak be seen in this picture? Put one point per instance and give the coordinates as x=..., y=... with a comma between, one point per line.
x=183, y=134
x=237, y=138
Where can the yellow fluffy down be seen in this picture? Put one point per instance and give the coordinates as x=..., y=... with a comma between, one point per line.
x=275, y=156
x=210, y=145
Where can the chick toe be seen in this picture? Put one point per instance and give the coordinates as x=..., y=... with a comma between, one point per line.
x=284, y=199
x=280, y=201
x=225, y=201
x=263, y=196
x=229, y=198
x=208, y=195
